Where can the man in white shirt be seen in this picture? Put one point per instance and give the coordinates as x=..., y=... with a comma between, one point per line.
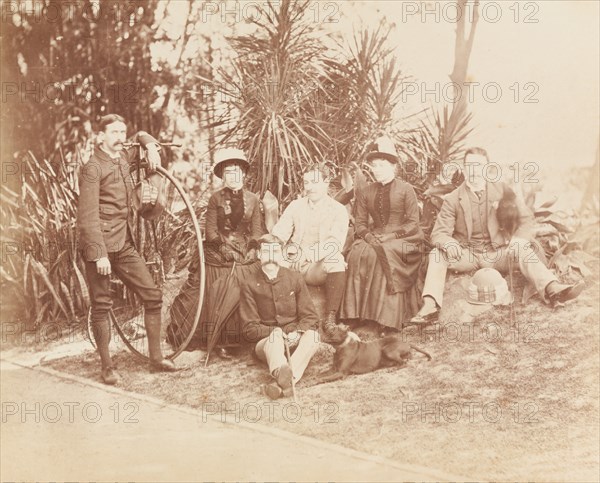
x=314, y=229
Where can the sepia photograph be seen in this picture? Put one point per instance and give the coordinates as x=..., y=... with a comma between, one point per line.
x=300, y=240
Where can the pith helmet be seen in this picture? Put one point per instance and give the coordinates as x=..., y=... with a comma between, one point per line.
x=225, y=155
x=489, y=287
x=382, y=147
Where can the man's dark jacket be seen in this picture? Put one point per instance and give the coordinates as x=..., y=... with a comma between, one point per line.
x=105, y=190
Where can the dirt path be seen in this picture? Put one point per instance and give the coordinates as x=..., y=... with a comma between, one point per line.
x=503, y=399
x=56, y=428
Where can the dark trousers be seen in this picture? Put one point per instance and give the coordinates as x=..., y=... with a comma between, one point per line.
x=130, y=267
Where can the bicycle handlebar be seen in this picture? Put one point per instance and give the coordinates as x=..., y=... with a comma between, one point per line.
x=173, y=145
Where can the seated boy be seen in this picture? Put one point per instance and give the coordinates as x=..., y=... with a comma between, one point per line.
x=275, y=305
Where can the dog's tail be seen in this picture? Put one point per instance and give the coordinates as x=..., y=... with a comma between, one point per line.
x=421, y=351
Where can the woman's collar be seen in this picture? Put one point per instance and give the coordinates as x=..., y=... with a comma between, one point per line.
x=232, y=191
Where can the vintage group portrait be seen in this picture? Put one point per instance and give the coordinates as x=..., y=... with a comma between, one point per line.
x=300, y=240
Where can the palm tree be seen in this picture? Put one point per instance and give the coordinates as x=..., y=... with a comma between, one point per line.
x=274, y=78
x=290, y=103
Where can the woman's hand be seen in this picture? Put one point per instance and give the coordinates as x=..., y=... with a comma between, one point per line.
x=371, y=239
x=251, y=255
x=384, y=237
x=227, y=254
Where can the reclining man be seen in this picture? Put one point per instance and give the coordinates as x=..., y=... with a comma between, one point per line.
x=103, y=219
x=467, y=236
x=275, y=305
x=314, y=229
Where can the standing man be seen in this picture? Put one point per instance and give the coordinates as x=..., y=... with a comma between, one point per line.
x=467, y=237
x=275, y=305
x=314, y=229
x=105, y=239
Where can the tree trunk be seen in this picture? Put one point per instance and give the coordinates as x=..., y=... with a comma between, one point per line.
x=462, y=52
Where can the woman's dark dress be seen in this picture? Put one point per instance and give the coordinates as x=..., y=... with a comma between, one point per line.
x=233, y=221
x=381, y=283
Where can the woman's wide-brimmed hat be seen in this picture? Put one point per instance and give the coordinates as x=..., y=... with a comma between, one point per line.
x=382, y=147
x=229, y=155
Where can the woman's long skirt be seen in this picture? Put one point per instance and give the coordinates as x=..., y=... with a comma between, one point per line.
x=368, y=295
x=185, y=305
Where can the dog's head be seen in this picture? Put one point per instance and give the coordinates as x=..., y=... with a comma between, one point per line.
x=338, y=334
x=352, y=339
x=342, y=336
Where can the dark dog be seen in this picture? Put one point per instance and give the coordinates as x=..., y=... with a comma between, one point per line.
x=354, y=356
x=508, y=212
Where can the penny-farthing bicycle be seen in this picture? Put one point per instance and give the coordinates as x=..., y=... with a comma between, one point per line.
x=168, y=244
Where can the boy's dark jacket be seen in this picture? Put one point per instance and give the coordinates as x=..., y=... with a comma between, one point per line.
x=282, y=302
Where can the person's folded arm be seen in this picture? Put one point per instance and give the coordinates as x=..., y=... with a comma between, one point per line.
x=146, y=141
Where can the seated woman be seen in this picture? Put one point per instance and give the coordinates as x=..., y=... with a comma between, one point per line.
x=384, y=261
x=233, y=223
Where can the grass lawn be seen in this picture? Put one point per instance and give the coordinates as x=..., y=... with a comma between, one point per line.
x=498, y=402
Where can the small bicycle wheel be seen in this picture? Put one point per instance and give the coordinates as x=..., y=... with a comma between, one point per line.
x=168, y=244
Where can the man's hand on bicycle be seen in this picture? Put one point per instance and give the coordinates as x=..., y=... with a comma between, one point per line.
x=152, y=156
x=103, y=266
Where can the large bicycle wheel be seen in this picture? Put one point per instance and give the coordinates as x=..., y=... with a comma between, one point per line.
x=169, y=245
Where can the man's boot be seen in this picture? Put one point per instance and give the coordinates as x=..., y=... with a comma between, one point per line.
x=334, y=291
x=330, y=324
x=101, y=331
x=157, y=362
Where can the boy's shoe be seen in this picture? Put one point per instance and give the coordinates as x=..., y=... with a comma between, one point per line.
x=283, y=376
x=273, y=391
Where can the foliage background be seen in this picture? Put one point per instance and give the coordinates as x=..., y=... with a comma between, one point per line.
x=285, y=88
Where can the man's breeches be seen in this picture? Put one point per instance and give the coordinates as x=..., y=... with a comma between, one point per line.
x=131, y=269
